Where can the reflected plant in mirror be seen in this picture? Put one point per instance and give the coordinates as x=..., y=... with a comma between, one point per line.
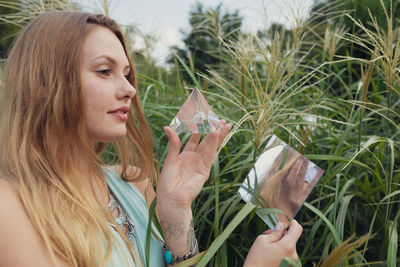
x=280, y=182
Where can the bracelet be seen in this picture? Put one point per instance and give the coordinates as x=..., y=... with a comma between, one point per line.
x=170, y=258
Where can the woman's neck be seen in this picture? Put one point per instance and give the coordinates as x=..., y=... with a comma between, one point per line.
x=98, y=187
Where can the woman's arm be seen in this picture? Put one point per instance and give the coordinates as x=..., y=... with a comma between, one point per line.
x=20, y=244
x=181, y=180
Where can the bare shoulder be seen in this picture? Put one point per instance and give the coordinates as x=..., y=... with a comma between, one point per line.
x=20, y=244
x=144, y=185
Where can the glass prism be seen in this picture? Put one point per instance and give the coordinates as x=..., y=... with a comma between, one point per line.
x=196, y=116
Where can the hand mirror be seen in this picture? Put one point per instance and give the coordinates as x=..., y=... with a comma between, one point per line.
x=279, y=182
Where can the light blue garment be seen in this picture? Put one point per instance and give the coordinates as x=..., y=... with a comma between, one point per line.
x=134, y=204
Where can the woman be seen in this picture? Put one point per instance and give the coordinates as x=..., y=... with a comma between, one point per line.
x=68, y=92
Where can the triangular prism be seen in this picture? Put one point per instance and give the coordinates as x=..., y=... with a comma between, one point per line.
x=196, y=116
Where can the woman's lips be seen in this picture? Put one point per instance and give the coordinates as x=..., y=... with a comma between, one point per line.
x=121, y=116
x=120, y=113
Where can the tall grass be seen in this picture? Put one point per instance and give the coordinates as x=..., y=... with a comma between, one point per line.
x=307, y=87
x=26, y=10
x=270, y=86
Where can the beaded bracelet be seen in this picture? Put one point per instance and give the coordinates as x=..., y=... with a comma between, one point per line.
x=170, y=258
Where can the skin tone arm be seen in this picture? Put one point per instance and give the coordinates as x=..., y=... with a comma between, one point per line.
x=183, y=175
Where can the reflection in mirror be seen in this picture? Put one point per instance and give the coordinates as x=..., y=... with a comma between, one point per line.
x=280, y=182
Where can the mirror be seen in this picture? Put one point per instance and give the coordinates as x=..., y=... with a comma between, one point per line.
x=279, y=182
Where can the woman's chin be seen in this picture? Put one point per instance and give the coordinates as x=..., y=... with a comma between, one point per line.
x=109, y=138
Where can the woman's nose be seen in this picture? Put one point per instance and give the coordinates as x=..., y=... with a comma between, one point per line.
x=126, y=89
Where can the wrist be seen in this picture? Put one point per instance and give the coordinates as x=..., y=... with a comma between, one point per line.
x=172, y=257
x=168, y=212
x=176, y=226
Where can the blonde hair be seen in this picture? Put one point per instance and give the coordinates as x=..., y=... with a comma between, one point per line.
x=45, y=152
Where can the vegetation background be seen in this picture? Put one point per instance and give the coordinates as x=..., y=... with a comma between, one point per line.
x=329, y=86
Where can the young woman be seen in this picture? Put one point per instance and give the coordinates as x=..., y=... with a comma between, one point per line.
x=69, y=90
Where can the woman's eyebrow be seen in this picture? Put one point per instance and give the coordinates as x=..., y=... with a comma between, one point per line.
x=110, y=59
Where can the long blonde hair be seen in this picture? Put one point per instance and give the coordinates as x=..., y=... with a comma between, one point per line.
x=45, y=152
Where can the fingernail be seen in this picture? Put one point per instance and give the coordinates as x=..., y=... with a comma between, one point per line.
x=267, y=232
x=166, y=131
x=278, y=226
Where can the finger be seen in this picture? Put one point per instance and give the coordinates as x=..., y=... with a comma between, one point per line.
x=268, y=232
x=303, y=169
x=301, y=177
x=292, y=175
x=276, y=234
x=293, y=233
x=294, y=169
x=224, y=132
x=208, y=146
x=174, y=144
x=191, y=145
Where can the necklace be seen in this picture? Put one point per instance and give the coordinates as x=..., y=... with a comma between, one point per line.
x=122, y=219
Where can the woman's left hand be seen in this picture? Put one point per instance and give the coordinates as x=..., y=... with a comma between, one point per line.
x=184, y=173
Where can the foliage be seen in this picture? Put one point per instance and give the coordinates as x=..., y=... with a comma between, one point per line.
x=271, y=83
x=339, y=67
x=8, y=30
x=203, y=44
x=24, y=11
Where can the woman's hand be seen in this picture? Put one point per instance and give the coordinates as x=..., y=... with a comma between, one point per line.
x=181, y=180
x=184, y=173
x=270, y=248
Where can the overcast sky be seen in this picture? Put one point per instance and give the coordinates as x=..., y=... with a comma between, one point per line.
x=166, y=18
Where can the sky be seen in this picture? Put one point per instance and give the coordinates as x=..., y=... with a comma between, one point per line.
x=165, y=19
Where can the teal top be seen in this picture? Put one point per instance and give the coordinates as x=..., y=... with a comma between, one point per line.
x=134, y=204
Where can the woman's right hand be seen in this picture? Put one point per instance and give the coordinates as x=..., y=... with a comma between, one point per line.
x=272, y=246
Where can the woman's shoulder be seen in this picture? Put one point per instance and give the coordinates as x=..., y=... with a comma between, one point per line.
x=11, y=208
x=20, y=244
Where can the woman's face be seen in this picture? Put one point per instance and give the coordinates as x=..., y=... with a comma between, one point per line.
x=106, y=91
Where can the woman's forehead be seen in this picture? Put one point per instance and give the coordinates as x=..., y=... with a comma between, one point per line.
x=103, y=44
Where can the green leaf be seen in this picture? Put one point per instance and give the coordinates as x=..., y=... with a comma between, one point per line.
x=225, y=234
x=152, y=212
x=338, y=158
x=341, y=217
x=191, y=74
x=192, y=261
x=393, y=242
x=326, y=220
x=286, y=262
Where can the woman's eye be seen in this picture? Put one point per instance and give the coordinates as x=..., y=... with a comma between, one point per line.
x=104, y=72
